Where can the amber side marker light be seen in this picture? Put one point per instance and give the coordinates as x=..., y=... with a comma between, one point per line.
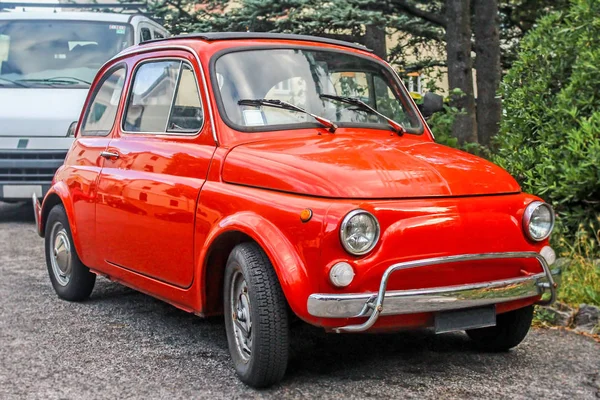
x=306, y=215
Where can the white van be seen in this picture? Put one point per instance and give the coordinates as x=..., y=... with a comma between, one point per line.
x=47, y=62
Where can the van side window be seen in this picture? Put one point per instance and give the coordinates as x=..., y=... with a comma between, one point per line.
x=187, y=114
x=100, y=115
x=145, y=35
x=151, y=96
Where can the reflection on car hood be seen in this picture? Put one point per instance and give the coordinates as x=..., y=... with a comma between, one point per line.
x=27, y=112
x=344, y=166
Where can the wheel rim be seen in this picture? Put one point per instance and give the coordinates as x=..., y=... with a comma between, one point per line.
x=240, y=314
x=60, y=254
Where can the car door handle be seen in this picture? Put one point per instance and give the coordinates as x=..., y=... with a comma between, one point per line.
x=109, y=154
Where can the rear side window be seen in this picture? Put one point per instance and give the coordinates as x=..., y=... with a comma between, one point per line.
x=145, y=35
x=164, y=98
x=102, y=110
x=158, y=35
x=186, y=114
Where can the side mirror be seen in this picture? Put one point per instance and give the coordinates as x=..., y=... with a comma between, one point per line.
x=432, y=103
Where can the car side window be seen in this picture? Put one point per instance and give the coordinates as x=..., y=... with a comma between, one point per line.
x=100, y=114
x=187, y=114
x=158, y=35
x=151, y=96
x=164, y=98
x=145, y=35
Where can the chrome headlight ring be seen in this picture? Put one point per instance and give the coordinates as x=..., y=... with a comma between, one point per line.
x=359, y=226
x=534, y=212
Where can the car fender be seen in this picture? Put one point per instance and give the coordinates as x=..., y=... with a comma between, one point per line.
x=289, y=267
x=60, y=190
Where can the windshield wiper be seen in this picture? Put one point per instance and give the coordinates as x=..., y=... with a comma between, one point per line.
x=68, y=80
x=13, y=82
x=398, y=128
x=71, y=78
x=287, y=106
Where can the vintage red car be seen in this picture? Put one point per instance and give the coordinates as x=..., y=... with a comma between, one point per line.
x=271, y=177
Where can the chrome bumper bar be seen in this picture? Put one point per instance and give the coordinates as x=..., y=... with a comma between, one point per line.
x=37, y=212
x=397, y=302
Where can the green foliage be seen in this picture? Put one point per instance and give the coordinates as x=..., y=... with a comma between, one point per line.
x=581, y=277
x=517, y=17
x=543, y=317
x=441, y=126
x=550, y=134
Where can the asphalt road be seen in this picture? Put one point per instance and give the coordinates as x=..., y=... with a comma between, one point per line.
x=123, y=344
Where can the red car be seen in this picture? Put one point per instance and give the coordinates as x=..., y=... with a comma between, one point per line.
x=274, y=177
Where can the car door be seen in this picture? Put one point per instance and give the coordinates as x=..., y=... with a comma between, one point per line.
x=148, y=189
x=85, y=157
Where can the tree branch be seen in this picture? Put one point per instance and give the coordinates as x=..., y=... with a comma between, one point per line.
x=177, y=6
x=415, y=11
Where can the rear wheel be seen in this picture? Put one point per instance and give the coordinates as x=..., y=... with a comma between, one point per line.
x=256, y=317
x=510, y=330
x=71, y=279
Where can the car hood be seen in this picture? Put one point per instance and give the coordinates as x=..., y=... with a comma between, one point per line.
x=339, y=166
x=28, y=112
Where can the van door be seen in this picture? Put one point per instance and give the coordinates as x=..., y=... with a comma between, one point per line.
x=149, y=188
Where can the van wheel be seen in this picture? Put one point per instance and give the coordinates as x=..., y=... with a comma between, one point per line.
x=71, y=279
x=256, y=317
x=510, y=330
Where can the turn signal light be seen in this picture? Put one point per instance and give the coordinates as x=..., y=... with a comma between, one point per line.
x=341, y=274
x=306, y=215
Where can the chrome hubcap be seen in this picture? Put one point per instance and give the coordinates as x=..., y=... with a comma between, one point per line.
x=240, y=310
x=60, y=256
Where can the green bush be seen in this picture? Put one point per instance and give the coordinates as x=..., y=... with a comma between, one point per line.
x=550, y=134
x=441, y=127
x=581, y=277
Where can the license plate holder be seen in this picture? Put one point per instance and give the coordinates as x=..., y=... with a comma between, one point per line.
x=21, y=191
x=468, y=318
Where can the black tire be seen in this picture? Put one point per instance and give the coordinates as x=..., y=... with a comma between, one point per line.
x=77, y=282
x=269, y=334
x=510, y=330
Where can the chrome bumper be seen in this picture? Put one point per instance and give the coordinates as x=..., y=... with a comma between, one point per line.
x=434, y=299
x=37, y=212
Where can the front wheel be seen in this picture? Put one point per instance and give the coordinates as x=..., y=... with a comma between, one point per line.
x=71, y=279
x=256, y=318
x=510, y=330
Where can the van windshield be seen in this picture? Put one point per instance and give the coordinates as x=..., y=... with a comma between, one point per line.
x=52, y=53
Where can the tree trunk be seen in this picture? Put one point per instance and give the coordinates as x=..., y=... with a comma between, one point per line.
x=375, y=39
x=487, y=65
x=460, y=71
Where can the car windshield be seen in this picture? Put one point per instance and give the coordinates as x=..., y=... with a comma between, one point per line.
x=57, y=53
x=311, y=80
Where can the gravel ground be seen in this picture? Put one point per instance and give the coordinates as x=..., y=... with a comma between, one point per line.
x=123, y=344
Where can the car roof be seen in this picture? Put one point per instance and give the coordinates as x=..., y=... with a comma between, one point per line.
x=67, y=16
x=219, y=36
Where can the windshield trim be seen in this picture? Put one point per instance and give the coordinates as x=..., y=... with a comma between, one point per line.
x=418, y=130
x=131, y=36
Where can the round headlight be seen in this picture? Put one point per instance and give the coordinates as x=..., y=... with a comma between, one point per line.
x=359, y=232
x=538, y=220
